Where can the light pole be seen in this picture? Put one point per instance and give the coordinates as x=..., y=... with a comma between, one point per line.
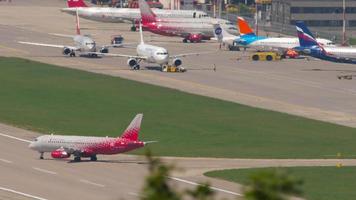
x=343, y=22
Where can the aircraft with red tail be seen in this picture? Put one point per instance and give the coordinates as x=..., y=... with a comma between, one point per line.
x=61, y=146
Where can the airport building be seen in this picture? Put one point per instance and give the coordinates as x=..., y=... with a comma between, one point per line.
x=315, y=13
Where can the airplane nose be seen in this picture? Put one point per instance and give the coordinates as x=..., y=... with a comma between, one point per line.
x=32, y=145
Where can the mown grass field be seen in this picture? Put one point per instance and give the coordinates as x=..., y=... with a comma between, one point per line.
x=51, y=99
x=320, y=183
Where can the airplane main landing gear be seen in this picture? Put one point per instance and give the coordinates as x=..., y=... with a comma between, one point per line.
x=77, y=159
x=93, y=158
x=41, y=156
x=72, y=54
x=136, y=67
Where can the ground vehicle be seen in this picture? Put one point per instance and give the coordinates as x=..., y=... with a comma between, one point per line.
x=171, y=68
x=265, y=56
x=116, y=39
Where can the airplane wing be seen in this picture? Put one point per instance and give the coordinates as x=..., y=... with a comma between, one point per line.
x=62, y=35
x=49, y=45
x=119, y=55
x=189, y=54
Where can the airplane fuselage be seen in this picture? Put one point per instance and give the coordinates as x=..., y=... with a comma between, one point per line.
x=89, y=145
x=122, y=15
x=154, y=54
x=84, y=43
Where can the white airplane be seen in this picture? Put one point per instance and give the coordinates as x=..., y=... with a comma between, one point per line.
x=124, y=15
x=62, y=146
x=83, y=44
x=249, y=38
x=152, y=54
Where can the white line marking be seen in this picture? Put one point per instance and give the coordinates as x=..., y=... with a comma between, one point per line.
x=213, y=188
x=21, y=193
x=44, y=171
x=91, y=183
x=16, y=138
x=6, y=161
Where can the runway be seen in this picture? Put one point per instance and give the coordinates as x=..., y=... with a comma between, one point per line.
x=300, y=87
x=112, y=177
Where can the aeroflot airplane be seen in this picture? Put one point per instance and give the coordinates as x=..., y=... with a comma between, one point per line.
x=249, y=38
x=310, y=46
x=79, y=146
x=121, y=15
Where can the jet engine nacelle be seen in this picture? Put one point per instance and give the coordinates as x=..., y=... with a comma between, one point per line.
x=66, y=51
x=307, y=51
x=177, y=62
x=104, y=50
x=132, y=62
x=195, y=37
x=60, y=154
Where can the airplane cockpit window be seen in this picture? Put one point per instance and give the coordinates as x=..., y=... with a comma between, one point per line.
x=162, y=53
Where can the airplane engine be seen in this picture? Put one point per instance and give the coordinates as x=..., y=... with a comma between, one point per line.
x=177, y=62
x=60, y=154
x=131, y=62
x=104, y=50
x=307, y=51
x=195, y=37
x=66, y=51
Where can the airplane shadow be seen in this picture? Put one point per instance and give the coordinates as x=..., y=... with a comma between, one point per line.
x=140, y=162
x=153, y=68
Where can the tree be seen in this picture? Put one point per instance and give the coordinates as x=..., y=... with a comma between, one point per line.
x=272, y=185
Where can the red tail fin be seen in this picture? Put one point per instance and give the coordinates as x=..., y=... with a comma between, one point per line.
x=76, y=3
x=132, y=131
x=147, y=15
x=244, y=27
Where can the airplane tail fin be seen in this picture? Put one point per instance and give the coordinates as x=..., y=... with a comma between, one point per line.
x=141, y=34
x=306, y=38
x=147, y=15
x=220, y=33
x=132, y=131
x=244, y=28
x=77, y=22
x=76, y=3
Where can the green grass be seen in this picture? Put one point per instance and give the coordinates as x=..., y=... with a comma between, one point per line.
x=320, y=183
x=49, y=99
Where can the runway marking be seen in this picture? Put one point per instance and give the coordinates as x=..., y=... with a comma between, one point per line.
x=213, y=188
x=16, y=138
x=44, y=171
x=6, y=161
x=21, y=193
x=91, y=183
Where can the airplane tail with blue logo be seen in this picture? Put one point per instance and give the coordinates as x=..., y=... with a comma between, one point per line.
x=306, y=38
x=220, y=32
x=244, y=28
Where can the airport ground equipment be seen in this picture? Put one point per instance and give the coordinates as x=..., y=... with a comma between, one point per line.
x=172, y=68
x=117, y=40
x=265, y=56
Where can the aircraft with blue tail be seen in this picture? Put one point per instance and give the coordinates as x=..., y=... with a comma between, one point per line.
x=250, y=39
x=310, y=46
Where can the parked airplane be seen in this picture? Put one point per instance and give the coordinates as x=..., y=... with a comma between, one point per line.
x=121, y=15
x=310, y=46
x=192, y=30
x=62, y=146
x=249, y=38
x=82, y=43
x=152, y=54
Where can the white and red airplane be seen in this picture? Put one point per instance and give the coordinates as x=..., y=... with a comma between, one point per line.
x=122, y=15
x=62, y=146
x=191, y=30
